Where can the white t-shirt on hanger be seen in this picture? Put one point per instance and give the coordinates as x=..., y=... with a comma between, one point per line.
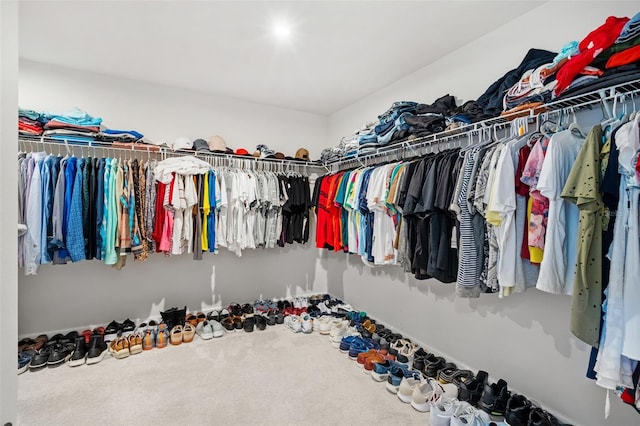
x=558, y=266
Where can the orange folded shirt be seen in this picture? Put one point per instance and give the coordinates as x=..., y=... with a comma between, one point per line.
x=627, y=56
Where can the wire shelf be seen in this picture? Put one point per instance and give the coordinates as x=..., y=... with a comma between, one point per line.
x=43, y=143
x=416, y=147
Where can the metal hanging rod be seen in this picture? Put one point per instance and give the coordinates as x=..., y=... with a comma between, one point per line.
x=417, y=146
x=69, y=147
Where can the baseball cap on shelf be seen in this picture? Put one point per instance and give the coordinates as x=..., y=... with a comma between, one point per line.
x=242, y=151
x=279, y=156
x=182, y=142
x=201, y=145
x=256, y=154
x=217, y=144
x=302, y=154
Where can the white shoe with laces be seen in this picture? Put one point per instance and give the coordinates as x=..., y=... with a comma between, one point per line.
x=407, y=387
x=442, y=410
x=293, y=323
x=306, y=323
x=338, y=331
x=425, y=394
x=324, y=324
x=468, y=415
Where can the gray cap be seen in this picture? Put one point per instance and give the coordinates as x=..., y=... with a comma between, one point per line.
x=201, y=145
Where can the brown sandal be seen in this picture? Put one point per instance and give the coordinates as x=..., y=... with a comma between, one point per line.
x=119, y=348
x=135, y=343
x=176, y=335
x=188, y=332
x=192, y=319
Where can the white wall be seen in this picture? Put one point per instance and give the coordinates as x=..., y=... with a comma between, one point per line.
x=90, y=293
x=524, y=339
x=8, y=216
x=467, y=72
x=164, y=113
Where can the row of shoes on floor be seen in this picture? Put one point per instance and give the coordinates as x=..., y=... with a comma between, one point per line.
x=177, y=326
x=425, y=381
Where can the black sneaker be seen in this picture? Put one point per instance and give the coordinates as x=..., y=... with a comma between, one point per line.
x=261, y=322
x=249, y=324
x=97, y=349
x=112, y=330
x=494, y=398
x=432, y=366
x=128, y=327
x=247, y=310
x=539, y=417
x=79, y=355
x=471, y=390
x=60, y=354
x=39, y=360
x=70, y=337
x=518, y=411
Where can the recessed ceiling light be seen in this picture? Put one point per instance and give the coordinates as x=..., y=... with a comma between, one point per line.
x=281, y=30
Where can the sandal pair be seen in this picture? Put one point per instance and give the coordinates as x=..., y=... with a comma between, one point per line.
x=195, y=319
x=122, y=347
x=182, y=334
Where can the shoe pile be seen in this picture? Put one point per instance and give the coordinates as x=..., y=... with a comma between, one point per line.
x=429, y=383
x=35, y=354
x=417, y=377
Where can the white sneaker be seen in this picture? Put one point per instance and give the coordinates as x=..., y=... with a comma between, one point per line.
x=442, y=411
x=306, y=323
x=425, y=395
x=205, y=330
x=467, y=415
x=407, y=350
x=406, y=388
x=293, y=323
x=338, y=331
x=218, y=331
x=323, y=324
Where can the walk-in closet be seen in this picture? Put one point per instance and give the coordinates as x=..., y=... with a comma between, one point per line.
x=312, y=212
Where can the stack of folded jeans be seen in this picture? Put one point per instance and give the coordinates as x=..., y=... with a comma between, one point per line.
x=29, y=122
x=419, y=125
x=349, y=146
x=74, y=126
x=387, y=122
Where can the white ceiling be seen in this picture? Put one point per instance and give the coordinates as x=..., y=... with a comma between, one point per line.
x=340, y=51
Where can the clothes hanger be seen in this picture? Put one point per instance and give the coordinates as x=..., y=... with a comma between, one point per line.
x=632, y=116
x=575, y=128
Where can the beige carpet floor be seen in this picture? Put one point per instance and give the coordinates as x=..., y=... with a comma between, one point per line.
x=271, y=377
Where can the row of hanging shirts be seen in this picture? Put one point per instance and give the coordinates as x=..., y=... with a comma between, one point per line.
x=77, y=208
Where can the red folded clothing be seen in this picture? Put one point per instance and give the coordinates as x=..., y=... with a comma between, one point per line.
x=29, y=129
x=627, y=56
x=592, y=45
